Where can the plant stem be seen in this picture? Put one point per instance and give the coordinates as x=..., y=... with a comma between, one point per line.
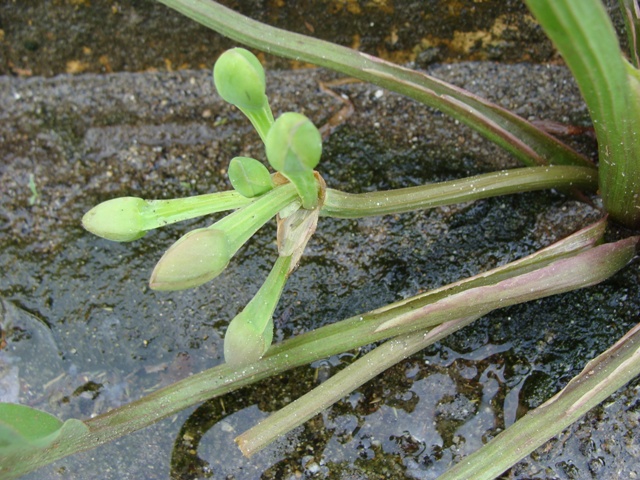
x=590, y=264
x=348, y=205
x=600, y=378
x=528, y=143
x=159, y=213
x=343, y=383
x=566, y=273
x=260, y=308
x=584, y=35
x=260, y=119
x=557, y=269
x=362, y=329
x=242, y=224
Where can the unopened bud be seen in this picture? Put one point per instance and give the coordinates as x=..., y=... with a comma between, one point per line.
x=118, y=219
x=293, y=144
x=249, y=177
x=293, y=147
x=239, y=79
x=244, y=343
x=196, y=258
x=250, y=333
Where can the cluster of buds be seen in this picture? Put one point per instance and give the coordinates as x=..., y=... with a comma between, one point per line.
x=293, y=146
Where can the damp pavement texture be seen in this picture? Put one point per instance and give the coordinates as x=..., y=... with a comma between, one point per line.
x=49, y=37
x=84, y=333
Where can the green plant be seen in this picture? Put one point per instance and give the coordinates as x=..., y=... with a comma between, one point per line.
x=299, y=197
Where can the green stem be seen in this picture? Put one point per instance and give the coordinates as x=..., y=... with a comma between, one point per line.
x=348, y=205
x=306, y=186
x=567, y=274
x=343, y=383
x=326, y=341
x=158, y=213
x=242, y=224
x=600, y=378
x=528, y=143
x=584, y=35
x=259, y=310
x=260, y=119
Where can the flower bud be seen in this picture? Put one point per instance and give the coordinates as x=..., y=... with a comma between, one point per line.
x=240, y=80
x=293, y=144
x=244, y=344
x=197, y=257
x=250, y=333
x=118, y=219
x=249, y=177
x=293, y=147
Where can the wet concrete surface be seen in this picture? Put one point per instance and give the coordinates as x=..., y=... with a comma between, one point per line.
x=69, y=142
x=50, y=37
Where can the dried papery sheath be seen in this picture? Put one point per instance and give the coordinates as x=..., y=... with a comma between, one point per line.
x=294, y=232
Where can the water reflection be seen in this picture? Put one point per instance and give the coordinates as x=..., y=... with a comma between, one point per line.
x=413, y=422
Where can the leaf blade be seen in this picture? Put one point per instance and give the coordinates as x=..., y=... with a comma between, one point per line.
x=486, y=117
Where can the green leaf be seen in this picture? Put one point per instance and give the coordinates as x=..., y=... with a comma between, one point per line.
x=584, y=269
x=584, y=35
x=600, y=378
x=24, y=427
x=527, y=142
x=27, y=436
x=631, y=15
